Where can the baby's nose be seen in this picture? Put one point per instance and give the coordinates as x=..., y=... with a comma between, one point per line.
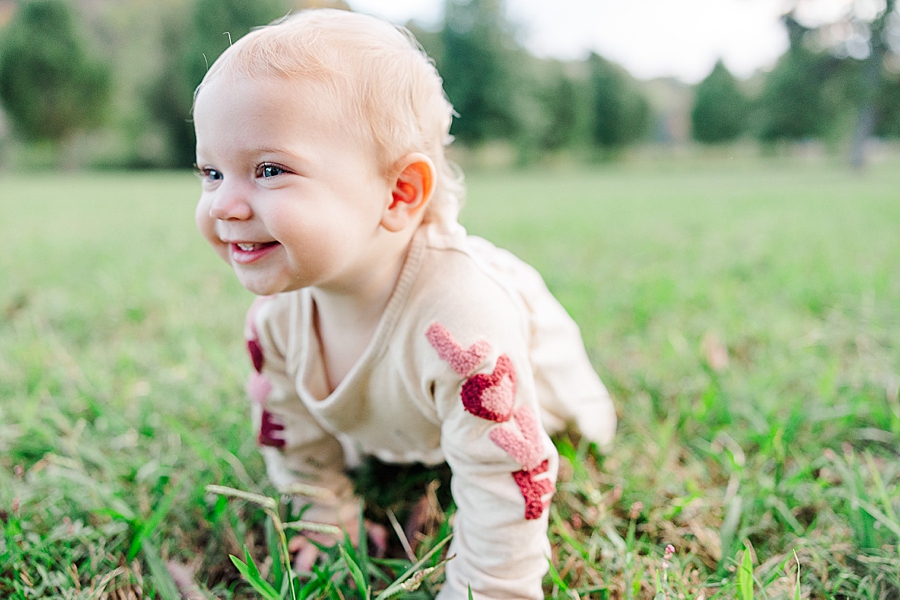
x=229, y=204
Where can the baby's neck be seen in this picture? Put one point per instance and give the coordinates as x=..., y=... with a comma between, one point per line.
x=345, y=319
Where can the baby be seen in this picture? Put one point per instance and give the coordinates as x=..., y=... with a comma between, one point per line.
x=381, y=328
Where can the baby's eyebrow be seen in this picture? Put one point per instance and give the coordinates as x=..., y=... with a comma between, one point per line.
x=266, y=150
x=293, y=156
x=275, y=150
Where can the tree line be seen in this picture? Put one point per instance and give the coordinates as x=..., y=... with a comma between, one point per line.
x=66, y=69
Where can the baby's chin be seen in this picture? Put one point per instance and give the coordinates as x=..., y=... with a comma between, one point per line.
x=255, y=286
x=262, y=284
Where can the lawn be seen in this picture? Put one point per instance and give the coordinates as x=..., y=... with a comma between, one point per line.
x=745, y=316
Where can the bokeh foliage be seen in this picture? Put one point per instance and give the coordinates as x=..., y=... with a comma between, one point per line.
x=51, y=84
x=831, y=85
x=620, y=113
x=720, y=110
x=196, y=37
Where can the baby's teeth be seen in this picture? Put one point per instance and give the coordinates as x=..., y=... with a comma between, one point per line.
x=247, y=247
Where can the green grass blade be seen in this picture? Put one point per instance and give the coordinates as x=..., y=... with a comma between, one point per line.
x=147, y=528
x=162, y=581
x=278, y=573
x=557, y=580
x=251, y=574
x=363, y=534
x=729, y=528
x=879, y=485
x=362, y=583
x=879, y=516
x=745, y=577
x=660, y=592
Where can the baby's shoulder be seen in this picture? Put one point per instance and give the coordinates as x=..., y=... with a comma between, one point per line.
x=472, y=266
x=459, y=287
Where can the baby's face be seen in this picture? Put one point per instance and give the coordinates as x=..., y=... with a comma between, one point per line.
x=290, y=198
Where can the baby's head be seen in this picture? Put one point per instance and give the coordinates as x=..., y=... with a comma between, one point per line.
x=377, y=82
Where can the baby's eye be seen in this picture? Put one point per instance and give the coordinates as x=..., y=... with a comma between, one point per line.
x=209, y=173
x=267, y=170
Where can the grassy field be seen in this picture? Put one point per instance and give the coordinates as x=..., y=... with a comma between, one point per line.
x=746, y=318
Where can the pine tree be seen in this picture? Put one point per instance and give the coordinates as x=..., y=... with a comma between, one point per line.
x=793, y=104
x=477, y=63
x=719, y=114
x=621, y=115
x=50, y=85
x=195, y=41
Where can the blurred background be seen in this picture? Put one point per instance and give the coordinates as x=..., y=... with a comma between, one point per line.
x=688, y=194
x=107, y=84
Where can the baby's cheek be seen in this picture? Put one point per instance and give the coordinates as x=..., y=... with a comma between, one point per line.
x=207, y=226
x=202, y=218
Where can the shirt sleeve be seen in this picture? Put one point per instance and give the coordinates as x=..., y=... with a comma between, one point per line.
x=296, y=449
x=504, y=465
x=568, y=388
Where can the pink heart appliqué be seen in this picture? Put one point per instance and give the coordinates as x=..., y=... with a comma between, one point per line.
x=259, y=388
x=492, y=396
x=525, y=444
x=462, y=360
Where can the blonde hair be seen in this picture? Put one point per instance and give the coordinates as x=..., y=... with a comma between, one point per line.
x=379, y=77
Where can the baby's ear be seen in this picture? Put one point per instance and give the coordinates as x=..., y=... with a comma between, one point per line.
x=411, y=188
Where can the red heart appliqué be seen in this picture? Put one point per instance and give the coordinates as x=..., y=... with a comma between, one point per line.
x=256, y=354
x=492, y=396
x=535, y=489
x=270, y=431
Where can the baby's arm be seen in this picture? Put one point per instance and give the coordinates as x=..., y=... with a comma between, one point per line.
x=504, y=466
x=295, y=448
x=567, y=386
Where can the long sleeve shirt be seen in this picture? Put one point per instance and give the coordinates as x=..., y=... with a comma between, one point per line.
x=472, y=362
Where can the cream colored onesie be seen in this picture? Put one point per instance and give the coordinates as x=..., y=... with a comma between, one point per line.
x=472, y=363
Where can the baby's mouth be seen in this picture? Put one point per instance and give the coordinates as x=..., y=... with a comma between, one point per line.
x=248, y=252
x=253, y=246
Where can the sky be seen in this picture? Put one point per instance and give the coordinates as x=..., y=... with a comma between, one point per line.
x=650, y=38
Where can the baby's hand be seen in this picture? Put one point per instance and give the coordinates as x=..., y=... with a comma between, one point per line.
x=307, y=552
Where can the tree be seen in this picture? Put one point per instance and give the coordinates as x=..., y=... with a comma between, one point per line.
x=50, y=85
x=620, y=115
x=211, y=26
x=876, y=88
x=888, y=105
x=720, y=109
x=564, y=103
x=793, y=104
x=476, y=60
x=859, y=39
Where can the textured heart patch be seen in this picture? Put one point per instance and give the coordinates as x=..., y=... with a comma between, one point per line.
x=462, y=360
x=492, y=396
x=259, y=388
x=270, y=431
x=535, y=489
x=523, y=442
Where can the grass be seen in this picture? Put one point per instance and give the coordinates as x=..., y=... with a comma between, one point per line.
x=746, y=318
